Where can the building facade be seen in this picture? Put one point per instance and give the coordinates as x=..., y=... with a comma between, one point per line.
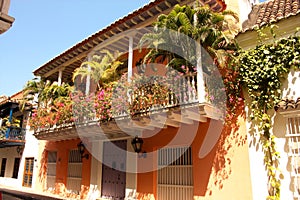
x=161, y=137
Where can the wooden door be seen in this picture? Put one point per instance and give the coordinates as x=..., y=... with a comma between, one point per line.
x=114, y=173
x=28, y=172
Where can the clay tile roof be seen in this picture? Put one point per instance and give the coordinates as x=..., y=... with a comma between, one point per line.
x=271, y=11
x=287, y=104
x=15, y=98
x=93, y=40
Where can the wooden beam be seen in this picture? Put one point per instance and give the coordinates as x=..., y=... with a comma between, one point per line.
x=149, y=13
x=179, y=118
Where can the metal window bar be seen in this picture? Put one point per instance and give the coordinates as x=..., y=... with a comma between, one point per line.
x=51, y=169
x=74, y=171
x=175, y=178
x=293, y=127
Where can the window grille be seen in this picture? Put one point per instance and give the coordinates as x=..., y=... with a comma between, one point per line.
x=74, y=172
x=293, y=136
x=51, y=169
x=175, y=178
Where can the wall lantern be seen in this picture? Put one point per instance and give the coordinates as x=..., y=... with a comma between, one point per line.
x=81, y=149
x=137, y=144
x=20, y=150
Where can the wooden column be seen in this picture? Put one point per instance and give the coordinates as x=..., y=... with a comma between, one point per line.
x=88, y=78
x=130, y=57
x=200, y=77
x=59, y=80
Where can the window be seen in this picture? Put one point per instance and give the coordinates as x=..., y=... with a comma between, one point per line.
x=3, y=166
x=28, y=172
x=51, y=169
x=16, y=168
x=293, y=136
x=175, y=178
x=74, y=171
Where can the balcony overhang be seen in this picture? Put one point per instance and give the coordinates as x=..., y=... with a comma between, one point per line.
x=6, y=22
x=11, y=143
x=124, y=126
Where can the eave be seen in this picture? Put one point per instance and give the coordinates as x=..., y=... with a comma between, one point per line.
x=142, y=17
x=6, y=22
x=287, y=26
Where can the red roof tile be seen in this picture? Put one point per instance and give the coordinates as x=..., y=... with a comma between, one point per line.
x=287, y=104
x=271, y=11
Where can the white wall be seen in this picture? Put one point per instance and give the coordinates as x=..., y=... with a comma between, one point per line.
x=30, y=150
x=10, y=153
x=258, y=174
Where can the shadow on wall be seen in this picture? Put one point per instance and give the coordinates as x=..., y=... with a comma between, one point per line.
x=229, y=138
x=43, y=170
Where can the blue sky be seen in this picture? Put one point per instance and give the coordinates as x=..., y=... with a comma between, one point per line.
x=44, y=29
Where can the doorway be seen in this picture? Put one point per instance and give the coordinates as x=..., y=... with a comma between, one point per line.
x=114, y=169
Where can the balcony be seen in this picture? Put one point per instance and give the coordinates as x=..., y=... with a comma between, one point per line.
x=145, y=103
x=12, y=136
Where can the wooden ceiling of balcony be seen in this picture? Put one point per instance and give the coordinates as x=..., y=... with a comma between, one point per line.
x=143, y=17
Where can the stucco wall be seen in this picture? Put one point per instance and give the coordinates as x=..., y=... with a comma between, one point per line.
x=222, y=173
x=258, y=174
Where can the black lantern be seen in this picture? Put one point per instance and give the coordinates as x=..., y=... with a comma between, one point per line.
x=81, y=149
x=137, y=144
x=20, y=150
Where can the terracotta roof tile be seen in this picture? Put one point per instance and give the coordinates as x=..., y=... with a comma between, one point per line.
x=271, y=11
x=287, y=104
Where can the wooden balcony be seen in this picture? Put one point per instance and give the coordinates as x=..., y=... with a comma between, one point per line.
x=12, y=136
x=151, y=105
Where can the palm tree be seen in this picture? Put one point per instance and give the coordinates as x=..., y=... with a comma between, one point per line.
x=102, y=69
x=214, y=31
x=33, y=92
x=40, y=93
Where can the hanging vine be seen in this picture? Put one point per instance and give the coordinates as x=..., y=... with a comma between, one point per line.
x=261, y=71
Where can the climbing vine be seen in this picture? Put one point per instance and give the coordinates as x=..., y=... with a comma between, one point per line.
x=261, y=71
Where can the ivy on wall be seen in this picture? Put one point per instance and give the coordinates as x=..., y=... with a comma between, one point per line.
x=261, y=72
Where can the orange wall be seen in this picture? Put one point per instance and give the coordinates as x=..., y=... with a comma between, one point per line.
x=63, y=148
x=162, y=139
x=223, y=170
